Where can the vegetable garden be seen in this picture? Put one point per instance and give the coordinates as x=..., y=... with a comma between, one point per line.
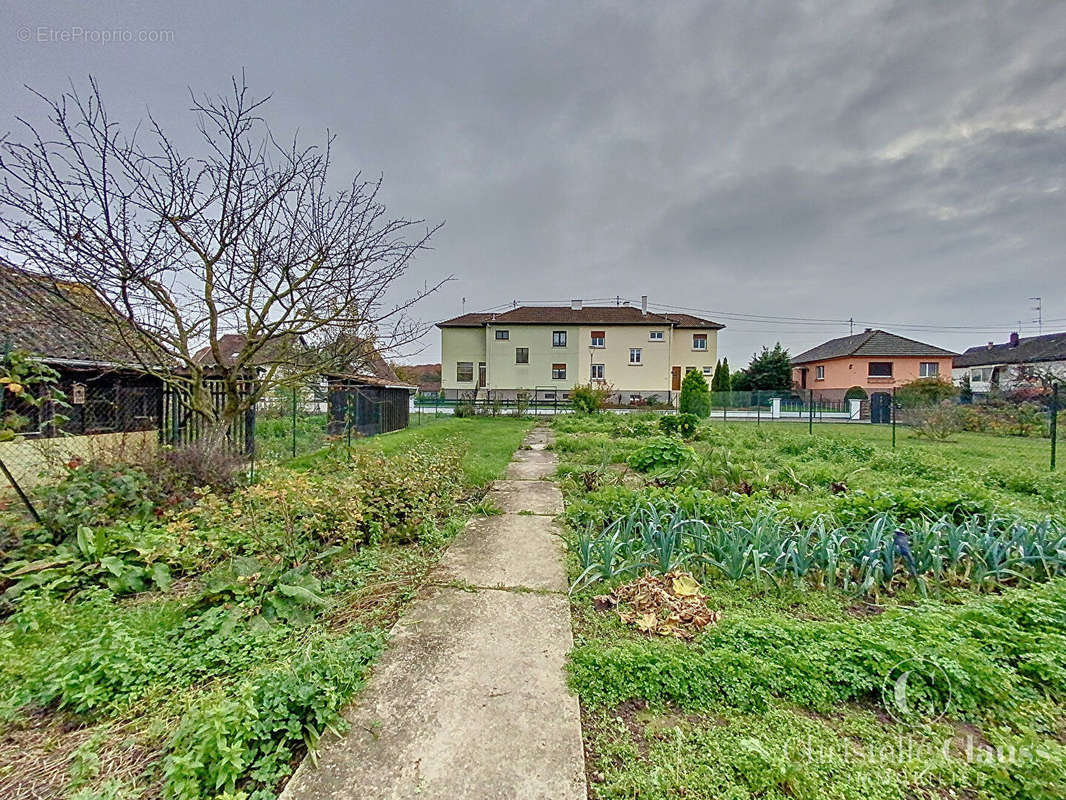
x=825, y=562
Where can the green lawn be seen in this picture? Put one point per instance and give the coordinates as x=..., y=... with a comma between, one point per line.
x=972, y=448
x=784, y=697
x=196, y=652
x=274, y=439
x=488, y=443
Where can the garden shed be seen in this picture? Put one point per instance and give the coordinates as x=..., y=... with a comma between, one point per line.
x=110, y=403
x=367, y=404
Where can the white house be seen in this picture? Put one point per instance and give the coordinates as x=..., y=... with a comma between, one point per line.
x=1010, y=365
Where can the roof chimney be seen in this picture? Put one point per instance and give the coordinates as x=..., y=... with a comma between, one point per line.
x=644, y=304
x=1014, y=339
x=869, y=330
x=575, y=305
x=991, y=345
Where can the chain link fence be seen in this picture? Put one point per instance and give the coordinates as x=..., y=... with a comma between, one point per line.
x=292, y=422
x=111, y=416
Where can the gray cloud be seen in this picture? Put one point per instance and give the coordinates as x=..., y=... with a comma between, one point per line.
x=891, y=161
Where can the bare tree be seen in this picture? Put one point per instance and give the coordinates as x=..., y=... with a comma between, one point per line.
x=1044, y=376
x=246, y=235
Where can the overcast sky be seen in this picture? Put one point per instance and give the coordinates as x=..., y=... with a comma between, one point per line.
x=902, y=163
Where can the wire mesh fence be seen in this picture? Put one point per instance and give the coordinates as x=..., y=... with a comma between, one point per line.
x=126, y=416
x=78, y=418
x=68, y=415
x=296, y=421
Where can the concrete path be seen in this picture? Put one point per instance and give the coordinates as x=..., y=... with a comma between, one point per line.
x=470, y=698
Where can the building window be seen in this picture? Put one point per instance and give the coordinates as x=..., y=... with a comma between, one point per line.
x=596, y=372
x=521, y=355
x=689, y=369
x=819, y=373
x=599, y=339
x=655, y=336
x=558, y=372
x=708, y=372
x=558, y=338
x=982, y=374
x=929, y=369
x=549, y=395
x=464, y=371
x=699, y=341
x=880, y=369
x=635, y=399
x=501, y=335
x=634, y=355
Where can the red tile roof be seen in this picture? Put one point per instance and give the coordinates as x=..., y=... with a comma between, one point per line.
x=587, y=315
x=366, y=360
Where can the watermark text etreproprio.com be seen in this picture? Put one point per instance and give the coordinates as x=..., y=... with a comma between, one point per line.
x=76, y=34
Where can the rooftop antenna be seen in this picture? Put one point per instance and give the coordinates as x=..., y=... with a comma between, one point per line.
x=1038, y=308
x=617, y=300
x=851, y=322
x=464, y=305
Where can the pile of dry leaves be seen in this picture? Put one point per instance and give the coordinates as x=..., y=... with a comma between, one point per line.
x=667, y=605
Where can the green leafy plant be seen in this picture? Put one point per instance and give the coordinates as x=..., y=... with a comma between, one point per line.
x=589, y=398
x=126, y=558
x=925, y=392
x=96, y=494
x=248, y=739
x=658, y=453
x=685, y=425
x=25, y=384
x=265, y=592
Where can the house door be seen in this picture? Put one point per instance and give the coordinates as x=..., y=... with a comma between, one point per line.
x=675, y=379
x=481, y=373
x=880, y=407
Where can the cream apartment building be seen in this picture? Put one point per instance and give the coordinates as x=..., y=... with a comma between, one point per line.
x=547, y=350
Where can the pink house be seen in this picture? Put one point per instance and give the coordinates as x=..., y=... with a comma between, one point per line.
x=868, y=365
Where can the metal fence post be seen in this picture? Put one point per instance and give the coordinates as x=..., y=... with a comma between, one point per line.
x=348, y=423
x=1054, y=423
x=810, y=412
x=893, y=417
x=294, y=422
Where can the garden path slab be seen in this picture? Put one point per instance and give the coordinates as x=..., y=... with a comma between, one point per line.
x=529, y=496
x=470, y=700
x=538, y=439
x=531, y=465
x=507, y=550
